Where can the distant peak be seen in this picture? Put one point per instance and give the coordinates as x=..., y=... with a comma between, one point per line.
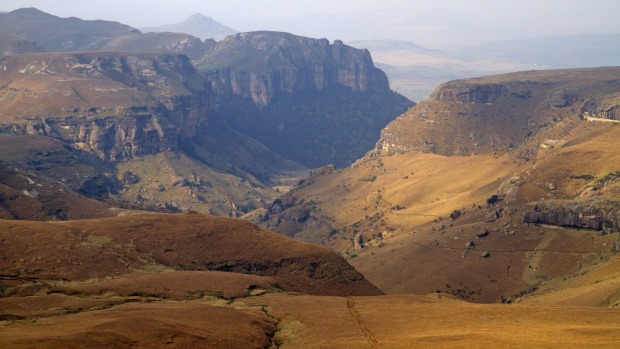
x=199, y=17
x=30, y=10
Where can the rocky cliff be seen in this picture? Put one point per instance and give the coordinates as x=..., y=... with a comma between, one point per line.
x=306, y=99
x=137, y=129
x=116, y=106
x=261, y=65
x=602, y=108
x=599, y=214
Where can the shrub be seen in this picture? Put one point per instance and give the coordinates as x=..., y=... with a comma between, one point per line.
x=493, y=200
x=455, y=214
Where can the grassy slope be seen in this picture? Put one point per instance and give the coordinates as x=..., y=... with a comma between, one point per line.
x=402, y=202
x=414, y=321
x=301, y=321
x=118, y=246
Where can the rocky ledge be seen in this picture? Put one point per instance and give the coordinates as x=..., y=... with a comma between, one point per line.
x=608, y=109
x=591, y=214
x=486, y=93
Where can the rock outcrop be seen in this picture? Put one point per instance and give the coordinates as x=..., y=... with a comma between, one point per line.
x=132, y=123
x=608, y=109
x=483, y=93
x=591, y=214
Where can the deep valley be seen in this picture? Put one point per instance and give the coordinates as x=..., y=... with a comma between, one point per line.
x=269, y=190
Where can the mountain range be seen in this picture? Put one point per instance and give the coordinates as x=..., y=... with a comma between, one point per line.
x=211, y=120
x=485, y=215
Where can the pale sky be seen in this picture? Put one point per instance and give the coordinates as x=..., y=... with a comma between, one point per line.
x=426, y=22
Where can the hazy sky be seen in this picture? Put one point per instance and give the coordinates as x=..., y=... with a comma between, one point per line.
x=427, y=22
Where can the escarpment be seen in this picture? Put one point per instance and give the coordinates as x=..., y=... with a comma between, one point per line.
x=483, y=93
x=261, y=65
x=306, y=99
x=114, y=105
x=499, y=113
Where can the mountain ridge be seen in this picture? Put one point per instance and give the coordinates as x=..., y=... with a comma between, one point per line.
x=69, y=34
x=133, y=108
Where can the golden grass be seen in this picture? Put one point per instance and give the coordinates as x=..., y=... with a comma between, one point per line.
x=418, y=321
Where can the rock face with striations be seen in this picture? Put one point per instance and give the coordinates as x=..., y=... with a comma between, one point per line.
x=115, y=106
x=484, y=93
x=591, y=214
x=604, y=108
x=306, y=99
x=261, y=65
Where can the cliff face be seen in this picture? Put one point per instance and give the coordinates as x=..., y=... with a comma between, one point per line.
x=603, y=108
x=115, y=106
x=591, y=214
x=498, y=113
x=260, y=65
x=306, y=99
x=486, y=93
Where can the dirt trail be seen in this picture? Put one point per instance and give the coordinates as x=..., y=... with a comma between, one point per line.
x=360, y=322
x=534, y=257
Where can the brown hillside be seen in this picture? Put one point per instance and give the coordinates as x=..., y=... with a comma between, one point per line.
x=24, y=195
x=119, y=246
x=414, y=321
x=176, y=325
x=12, y=44
x=537, y=213
x=411, y=244
x=498, y=113
x=301, y=321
